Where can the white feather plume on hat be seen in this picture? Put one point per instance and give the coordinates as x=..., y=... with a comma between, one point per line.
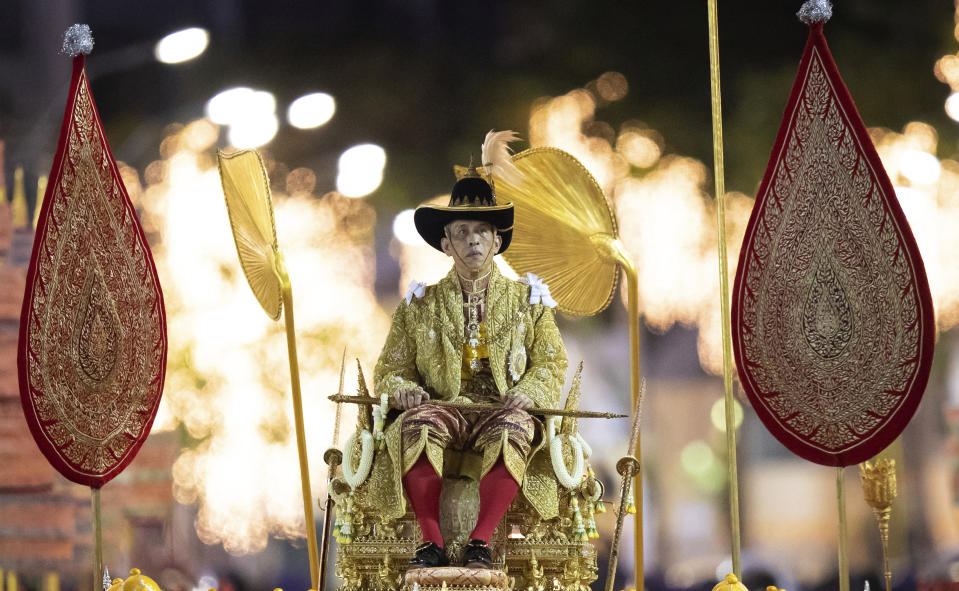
x=497, y=156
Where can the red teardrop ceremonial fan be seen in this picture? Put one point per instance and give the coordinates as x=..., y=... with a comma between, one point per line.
x=832, y=319
x=92, y=348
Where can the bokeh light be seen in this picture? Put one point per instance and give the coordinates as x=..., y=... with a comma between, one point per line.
x=404, y=229
x=717, y=414
x=311, y=110
x=920, y=167
x=360, y=170
x=228, y=105
x=254, y=131
x=700, y=463
x=952, y=106
x=182, y=45
x=249, y=113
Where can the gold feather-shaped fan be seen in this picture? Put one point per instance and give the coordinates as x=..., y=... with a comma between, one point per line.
x=563, y=230
x=247, y=191
x=250, y=207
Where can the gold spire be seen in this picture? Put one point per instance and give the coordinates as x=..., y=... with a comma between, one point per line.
x=365, y=413
x=41, y=192
x=568, y=426
x=19, y=200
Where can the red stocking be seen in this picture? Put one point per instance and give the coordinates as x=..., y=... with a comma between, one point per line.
x=423, y=486
x=496, y=490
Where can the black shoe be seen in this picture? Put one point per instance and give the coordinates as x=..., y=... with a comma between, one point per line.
x=428, y=554
x=477, y=555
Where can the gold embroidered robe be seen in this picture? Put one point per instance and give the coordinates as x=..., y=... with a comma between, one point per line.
x=425, y=348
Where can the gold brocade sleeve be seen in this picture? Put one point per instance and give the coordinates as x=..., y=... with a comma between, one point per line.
x=546, y=370
x=396, y=368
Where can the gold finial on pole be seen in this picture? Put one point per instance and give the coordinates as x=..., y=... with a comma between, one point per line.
x=879, y=489
x=730, y=583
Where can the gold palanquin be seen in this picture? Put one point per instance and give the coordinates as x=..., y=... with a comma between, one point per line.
x=535, y=543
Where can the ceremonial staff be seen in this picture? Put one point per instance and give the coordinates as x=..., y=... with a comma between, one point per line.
x=629, y=468
x=333, y=458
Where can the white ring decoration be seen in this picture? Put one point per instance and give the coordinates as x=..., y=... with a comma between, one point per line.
x=355, y=476
x=587, y=450
x=567, y=479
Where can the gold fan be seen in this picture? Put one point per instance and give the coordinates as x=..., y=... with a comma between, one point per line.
x=247, y=191
x=248, y=202
x=563, y=230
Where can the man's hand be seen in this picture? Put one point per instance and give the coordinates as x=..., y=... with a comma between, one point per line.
x=407, y=399
x=515, y=399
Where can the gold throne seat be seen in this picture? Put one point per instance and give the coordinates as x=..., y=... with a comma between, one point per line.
x=534, y=548
x=528, y=552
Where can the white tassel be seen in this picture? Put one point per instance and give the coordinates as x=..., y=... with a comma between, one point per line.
x=496, y=156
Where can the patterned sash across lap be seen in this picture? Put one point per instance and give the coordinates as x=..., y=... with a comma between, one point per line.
x=833, y=325
x=92, y=349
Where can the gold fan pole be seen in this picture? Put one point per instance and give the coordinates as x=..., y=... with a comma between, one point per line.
x=97, y=541
x=615, y=250
x=718, y=173
x=632, y=286
x=287, y=291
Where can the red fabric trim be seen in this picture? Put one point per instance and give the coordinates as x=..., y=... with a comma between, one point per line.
x=899, y=418
x=96, y=479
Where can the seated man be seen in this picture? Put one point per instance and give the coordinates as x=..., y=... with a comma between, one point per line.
x=474, y=337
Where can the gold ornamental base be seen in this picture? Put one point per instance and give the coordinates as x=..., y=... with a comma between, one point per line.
x=456, y=578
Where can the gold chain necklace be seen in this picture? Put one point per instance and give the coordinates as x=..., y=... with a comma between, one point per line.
x=472, y=301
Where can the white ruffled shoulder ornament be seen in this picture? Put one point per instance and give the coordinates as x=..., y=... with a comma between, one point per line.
x=538, y=290
x=417, y=288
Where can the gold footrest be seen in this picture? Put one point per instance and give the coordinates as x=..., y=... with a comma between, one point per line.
x=456, y=578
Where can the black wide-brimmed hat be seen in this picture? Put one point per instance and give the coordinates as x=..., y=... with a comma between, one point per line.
x=472, y=198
